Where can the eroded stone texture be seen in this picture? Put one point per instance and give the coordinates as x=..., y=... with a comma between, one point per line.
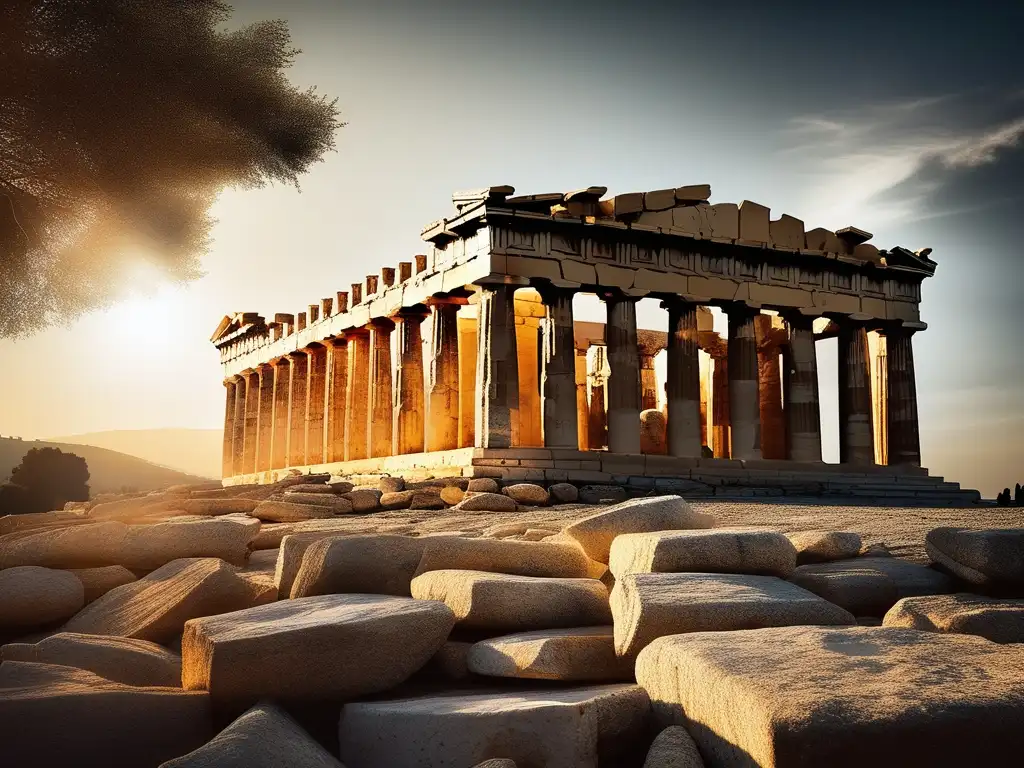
x=895, y=697
x=824, y=546
x=673, y=748
x=99, y=581
x=869, y=586
x=652, y=432
x=524, y=558
x=382, y=565
x=33, y=597
x=1001, y=621
x=765, y=553
x=579, y=654
x=986, y=558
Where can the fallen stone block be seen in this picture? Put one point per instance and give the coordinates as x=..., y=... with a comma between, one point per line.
x=452, y=495
x=451, y=662
x=339, y=504
x=378, y=642
x=119, y=659
x=564, y=727
x=271, y=535
x=499, y=602
x=824, y=546
x=486, y=502
x=524, y=558
x=81, y=546
x=646, y=606
x=334, y=489
x=397, y=499
x=213, y=507
x=673, y=748
x=289, y=558
x=992, y=558
x=157, y=606
x=869, y=586
x=483, y=485
x=528, y=494
x=264, y=737
x=764, y=553
x=99, y=581
x=151, y=546
x=583, y=654
x=659, y=513
x=288, y=512
x=364, y=499
x=37, y=520
x=1001, y=621
x=839, y=697
x=127, y=509
x=564, y=493
x=388, y=484
x=340, y=486
x=54, y=715
x=381, y=565
x=34, y=597
x=426, y=500
x=602, y=494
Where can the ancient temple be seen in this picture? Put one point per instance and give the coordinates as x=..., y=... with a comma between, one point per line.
x=467, y=360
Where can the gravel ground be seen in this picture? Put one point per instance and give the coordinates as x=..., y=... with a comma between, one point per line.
x=902, y=529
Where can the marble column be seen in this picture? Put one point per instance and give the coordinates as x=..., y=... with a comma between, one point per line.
x=227, y=455
x=443, y=401
x=265, y=418
x=769, y=374
x=297, y=382
x=281, y=440
x=582, y=415
x=558, y=369
x=744, y=397
x=379, y=426
x=408, y=425
x=856, y=431
x=624, y=382
x=683, y=380
x=901, y=403
x=467, y=379
x=238, y=424
x=357, y=394
x=336, y=386
x=252, y=409
x=497, y=368
x=720, y=427
x=802, y=411
x=316, y=370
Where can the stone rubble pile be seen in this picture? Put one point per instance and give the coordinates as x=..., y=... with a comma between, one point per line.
x=313, y=623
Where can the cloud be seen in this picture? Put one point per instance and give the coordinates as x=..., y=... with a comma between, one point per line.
x=886, y=162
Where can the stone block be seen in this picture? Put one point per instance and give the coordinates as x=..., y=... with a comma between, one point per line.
x=757, y=552
x=528, y=493
x=483, y=485
x=290, y=512
x=118, y=659
x=272, y=534
x=382, y=565
x=157, y=606
x=53, y=714
x=563, y=493
x=780, y=296
x=498, y=602
x=486, y=502
x=824, y=546
x=985, y=558
x=754, y=222
x=787, y=232
x=564, y=727
x=1001, y=621
x=662, y=282
x=577, y=272
x=614, y=277
x=646, y=606
x=364, y=499
x=582, y=654
x=82, y=546
x=893, y=698
x=151, y=546
x=596, y=532
x=716, y=288
x=385, y=639
x=99, y=581
x=659, y=200
x=264, y=737
x=35, y=597
x=528, y=266
x=673, y=748
x=870, y=586
x=689, y=219
x=214, y=507
x=721, y=221
x=693, y=193
x=524, y=558
x=824, y=240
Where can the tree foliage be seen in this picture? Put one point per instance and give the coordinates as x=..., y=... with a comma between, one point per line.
x=46, y=479
x=120, y=121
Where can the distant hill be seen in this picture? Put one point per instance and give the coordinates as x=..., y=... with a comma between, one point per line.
x=195, y=451
x=109, y=471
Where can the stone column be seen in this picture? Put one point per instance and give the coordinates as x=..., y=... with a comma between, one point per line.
x=648, y=376
x=597, y=414
x=281, y=440
x=251, y=434
x=238, y=425
x=497, y=368
x=720, y=428
x=744, y=397
x=443, y=402
x=297, y=382
x=769, y=374
x=624, y=382
x=901, y=403
x=357, y=394
x=407, y=436
x=683, y=380
x=227, y=453
x=380, y=414
x=856, y=431
x=802, y=410
x=558, y=369
x=467, y=334
x=582, y=415
x=265, y=419
x=316, y=370
x=336, y=385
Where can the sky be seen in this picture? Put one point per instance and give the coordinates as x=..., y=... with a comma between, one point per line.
x=902, y=119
